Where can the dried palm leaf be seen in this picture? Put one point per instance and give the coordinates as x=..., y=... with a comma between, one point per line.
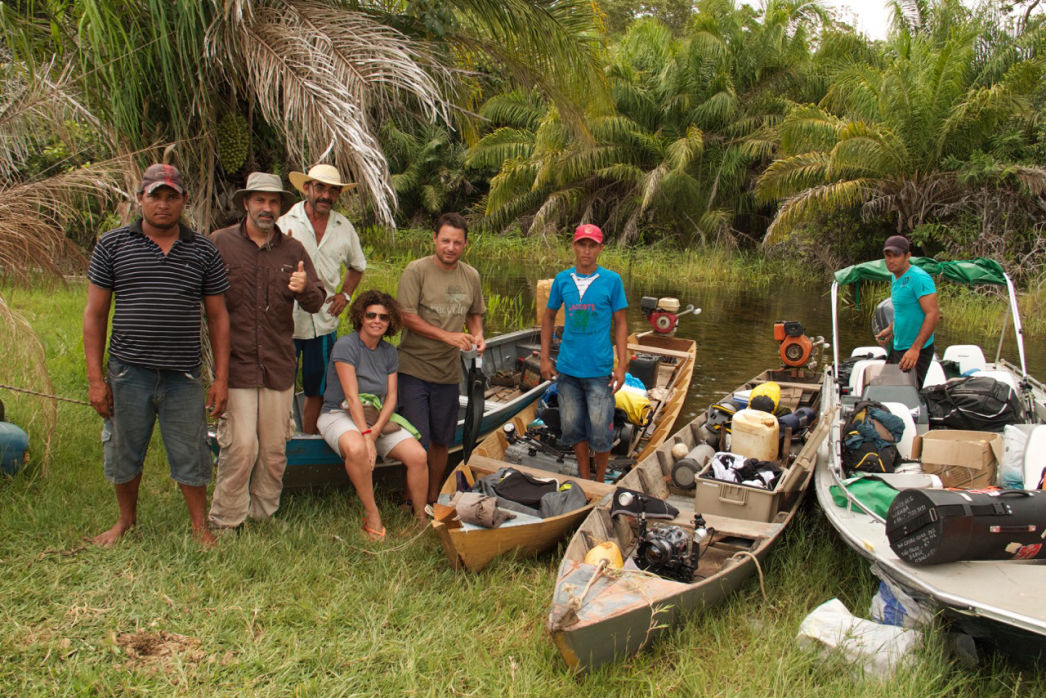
x=35, y=108
x=24, y=366
x=326, y=75
x=33, y=217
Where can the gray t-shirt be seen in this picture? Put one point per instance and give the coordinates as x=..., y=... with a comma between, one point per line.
x=373, y=367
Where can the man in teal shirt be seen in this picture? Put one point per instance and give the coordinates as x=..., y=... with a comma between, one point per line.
x=915, y=311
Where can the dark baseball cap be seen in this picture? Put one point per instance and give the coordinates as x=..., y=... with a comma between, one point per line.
x=160, y=175
x=898, y=244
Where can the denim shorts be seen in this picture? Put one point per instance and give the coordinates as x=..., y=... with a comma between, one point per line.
x=141, y=396
x=431, y=407
x=586, y=411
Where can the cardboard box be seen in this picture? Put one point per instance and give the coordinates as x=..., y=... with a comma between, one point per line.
x=962, y=459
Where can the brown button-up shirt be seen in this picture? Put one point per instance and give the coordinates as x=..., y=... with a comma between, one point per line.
x=261, y=320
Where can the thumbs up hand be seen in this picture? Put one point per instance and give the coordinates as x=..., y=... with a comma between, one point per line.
x=298, y=279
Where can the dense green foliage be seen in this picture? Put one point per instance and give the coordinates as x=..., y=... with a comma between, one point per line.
x=704, y=124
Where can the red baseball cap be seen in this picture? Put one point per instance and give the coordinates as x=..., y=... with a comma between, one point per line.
x=160, y=175
x=587, y=231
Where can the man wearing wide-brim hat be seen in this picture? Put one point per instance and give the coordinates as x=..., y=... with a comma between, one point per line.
x=269, y=272
x=331, y=241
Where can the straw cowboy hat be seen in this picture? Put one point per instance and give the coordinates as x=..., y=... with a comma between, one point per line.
x=263, y=181
x=328, y=174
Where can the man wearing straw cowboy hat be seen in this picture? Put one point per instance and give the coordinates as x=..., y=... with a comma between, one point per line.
x=269, y=273
x=331, y=241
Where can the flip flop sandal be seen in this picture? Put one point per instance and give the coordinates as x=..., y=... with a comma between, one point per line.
x=374, y=535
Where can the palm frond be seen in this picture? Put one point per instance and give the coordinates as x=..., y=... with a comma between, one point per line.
x=808, y=127
x=503, y=144
x=558, y=208
x=33, y=217
x=36, y=104
x=787, y=176
x=324, y=74
x=817, y=201
x=684, y=151
x=550, y=45
x=516, y=109
x=515, y=178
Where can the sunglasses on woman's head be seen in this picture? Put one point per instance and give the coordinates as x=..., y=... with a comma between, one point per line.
x=380, y=316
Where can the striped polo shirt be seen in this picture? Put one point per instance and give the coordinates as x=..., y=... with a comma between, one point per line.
x=156, y=322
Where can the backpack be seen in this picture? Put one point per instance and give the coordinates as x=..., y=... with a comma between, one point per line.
x=978, y=403
x=869, y=439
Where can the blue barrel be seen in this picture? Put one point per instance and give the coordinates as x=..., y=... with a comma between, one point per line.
x=14, y=443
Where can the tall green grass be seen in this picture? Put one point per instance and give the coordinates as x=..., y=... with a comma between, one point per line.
x=303, y=605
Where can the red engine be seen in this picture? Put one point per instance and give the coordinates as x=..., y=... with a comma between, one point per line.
x=663, y=313
x=795, y=345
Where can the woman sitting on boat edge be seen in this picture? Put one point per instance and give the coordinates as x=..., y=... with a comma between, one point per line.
x=363, y=367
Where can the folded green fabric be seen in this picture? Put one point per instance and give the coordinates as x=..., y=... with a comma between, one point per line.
x=369, y=399
x=869, y=490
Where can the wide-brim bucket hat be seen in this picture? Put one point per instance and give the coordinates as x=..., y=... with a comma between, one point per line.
x=264, y=182
x=328, y=174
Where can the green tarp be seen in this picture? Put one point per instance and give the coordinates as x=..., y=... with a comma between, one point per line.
x=965, y=271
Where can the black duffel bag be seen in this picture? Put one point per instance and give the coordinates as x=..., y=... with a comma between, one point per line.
x=978, y=403
x=927, y=527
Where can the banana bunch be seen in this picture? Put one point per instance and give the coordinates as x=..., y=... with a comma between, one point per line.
x=234, y=138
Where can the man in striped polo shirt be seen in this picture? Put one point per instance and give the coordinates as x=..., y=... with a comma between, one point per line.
x=158, y=271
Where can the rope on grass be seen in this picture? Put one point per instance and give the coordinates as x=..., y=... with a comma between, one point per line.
x=384, y=550
x=762, y=585
x=46, y=395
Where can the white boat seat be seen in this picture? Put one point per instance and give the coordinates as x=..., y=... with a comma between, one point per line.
x=904, y=446
x=934, y=374
x=1001, y=376
x=968, y=356
x=877, y=352
x=862, y=374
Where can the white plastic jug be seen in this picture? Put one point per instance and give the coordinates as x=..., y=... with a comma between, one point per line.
x=754, y=434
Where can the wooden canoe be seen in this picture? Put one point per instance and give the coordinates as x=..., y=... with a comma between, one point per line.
x=473, y=548
x=598, y=616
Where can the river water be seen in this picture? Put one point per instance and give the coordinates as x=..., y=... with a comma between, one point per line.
x=734, y=331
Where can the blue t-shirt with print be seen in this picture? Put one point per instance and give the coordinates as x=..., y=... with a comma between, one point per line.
x=908, y=315
x=589, y=303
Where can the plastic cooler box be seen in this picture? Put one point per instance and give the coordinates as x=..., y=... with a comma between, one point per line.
x=744, y=501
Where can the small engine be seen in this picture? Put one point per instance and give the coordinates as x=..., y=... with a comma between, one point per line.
x=670, y=551
x=663, y=313
x=795, y=345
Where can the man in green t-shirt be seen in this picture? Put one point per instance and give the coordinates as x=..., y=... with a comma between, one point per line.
x=442, y=308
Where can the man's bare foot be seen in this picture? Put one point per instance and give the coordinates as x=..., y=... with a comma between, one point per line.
x=109, y=538
x=204, y=537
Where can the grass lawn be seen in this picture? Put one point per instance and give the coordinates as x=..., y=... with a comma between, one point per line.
x=304, y=605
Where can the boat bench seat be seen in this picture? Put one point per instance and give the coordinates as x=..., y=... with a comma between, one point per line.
x=727, y=525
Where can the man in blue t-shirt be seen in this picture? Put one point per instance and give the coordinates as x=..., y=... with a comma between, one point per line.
x=593, y=298
x=915, y=311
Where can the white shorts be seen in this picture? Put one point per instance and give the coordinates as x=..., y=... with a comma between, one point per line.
x=335, y=423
